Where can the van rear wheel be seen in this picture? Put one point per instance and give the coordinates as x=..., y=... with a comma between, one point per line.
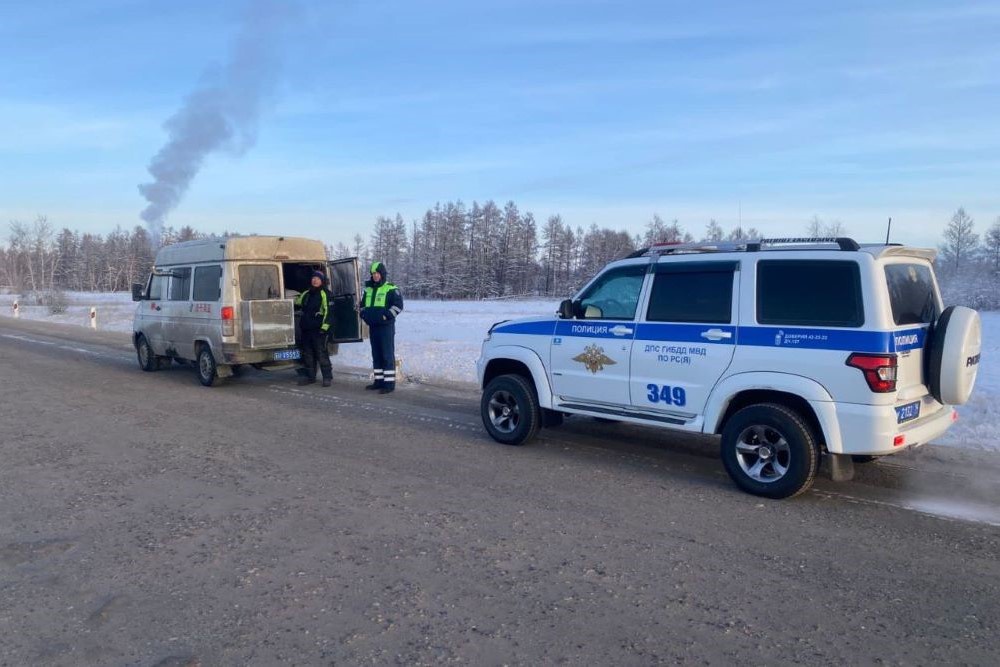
x=208, y=371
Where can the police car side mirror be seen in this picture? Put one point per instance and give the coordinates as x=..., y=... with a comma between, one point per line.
x=138, y=291
x=566, y=309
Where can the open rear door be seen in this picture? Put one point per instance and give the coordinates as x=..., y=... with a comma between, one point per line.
x=345, y=285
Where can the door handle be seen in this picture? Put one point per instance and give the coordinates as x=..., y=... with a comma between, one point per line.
x=716, y=334
x=620, y=330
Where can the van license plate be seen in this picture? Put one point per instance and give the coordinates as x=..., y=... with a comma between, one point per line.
x=905, y=413
x=286, y=355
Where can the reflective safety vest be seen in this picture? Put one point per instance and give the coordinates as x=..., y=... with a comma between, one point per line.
x=324, y=307
x=375, y=297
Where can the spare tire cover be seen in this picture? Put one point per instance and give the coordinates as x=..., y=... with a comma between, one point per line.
x=954, y=355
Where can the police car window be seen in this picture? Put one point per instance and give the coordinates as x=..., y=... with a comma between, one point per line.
x=692, y=296
x=615, y=295
x=156, y=288
x=258, y=282
x=207, y=283
x=180, y=284
x=809, y=293
x=911, y=293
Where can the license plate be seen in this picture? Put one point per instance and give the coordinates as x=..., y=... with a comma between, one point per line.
x=905, y=413
x=286, y=355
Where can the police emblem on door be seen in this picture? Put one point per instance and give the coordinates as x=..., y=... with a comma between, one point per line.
x=594, y=359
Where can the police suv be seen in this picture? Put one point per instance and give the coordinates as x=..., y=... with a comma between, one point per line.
x=792, y=350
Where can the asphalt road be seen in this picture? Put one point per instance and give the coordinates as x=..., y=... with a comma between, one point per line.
x=146, y=520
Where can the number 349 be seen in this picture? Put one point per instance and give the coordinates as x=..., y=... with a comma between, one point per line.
x=666, y=394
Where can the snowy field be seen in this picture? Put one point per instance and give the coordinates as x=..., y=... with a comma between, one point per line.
x=439, y=342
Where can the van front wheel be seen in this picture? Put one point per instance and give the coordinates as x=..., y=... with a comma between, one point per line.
x=208, y=372
x=148, y=361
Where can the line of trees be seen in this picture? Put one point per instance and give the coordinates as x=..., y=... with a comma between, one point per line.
x=485, y=251
x=459, y=252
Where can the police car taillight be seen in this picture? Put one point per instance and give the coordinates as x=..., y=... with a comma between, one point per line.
x=879, y=370
x=228, y=325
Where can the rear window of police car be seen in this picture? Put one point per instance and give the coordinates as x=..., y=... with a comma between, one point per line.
x=911, y=293
x=809, y=293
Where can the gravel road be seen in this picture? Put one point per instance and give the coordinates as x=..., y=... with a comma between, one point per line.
x=146, y=520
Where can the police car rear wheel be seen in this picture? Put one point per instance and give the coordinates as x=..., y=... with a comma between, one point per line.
x=510, y=410
x=207, y=370
x=770, y=451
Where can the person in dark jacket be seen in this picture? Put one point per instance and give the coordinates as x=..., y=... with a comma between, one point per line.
x=381, y=304
x=315, y=321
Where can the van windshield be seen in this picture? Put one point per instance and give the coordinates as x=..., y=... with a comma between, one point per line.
x=259, y=282
x=911, y=293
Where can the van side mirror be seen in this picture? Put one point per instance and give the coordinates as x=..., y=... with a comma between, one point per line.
x=138, y=291
x=566, y=309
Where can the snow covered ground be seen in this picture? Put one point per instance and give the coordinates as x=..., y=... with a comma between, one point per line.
x=439, y=341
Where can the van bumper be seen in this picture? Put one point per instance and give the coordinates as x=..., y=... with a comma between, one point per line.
x=872, y=430
x=234, y=354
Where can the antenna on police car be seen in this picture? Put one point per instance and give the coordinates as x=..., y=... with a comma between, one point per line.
x=887, y=230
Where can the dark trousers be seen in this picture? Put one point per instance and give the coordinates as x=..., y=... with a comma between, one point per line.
x=383, y=340
x=314, y=350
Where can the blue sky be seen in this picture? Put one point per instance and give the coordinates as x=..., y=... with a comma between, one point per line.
x=602, y=111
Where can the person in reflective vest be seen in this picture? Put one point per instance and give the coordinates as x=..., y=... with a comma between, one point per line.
x=381, y=304
x=314, y=324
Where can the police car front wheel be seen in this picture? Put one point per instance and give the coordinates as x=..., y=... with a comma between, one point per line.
x=510, y=410
x=770, y=451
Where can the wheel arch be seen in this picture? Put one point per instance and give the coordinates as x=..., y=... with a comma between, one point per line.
x=803, y=395
x=200, y=341
x=514, y=360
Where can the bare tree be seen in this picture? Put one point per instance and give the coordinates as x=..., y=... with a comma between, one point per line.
x=960, y=241
x=992, y=245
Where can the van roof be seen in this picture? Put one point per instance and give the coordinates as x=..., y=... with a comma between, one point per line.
x=229, y=248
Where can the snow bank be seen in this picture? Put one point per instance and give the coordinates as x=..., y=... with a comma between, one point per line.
x=440, y=341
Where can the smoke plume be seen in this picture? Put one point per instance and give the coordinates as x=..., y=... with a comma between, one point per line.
x=221, y=114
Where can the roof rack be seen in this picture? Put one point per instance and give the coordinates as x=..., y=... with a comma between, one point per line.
x=755, y=245
x=844, y=242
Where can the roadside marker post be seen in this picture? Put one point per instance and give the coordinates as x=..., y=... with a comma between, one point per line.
x=17, y=309
x=93, y=318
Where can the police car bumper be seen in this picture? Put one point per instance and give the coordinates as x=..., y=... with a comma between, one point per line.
x=876, y=431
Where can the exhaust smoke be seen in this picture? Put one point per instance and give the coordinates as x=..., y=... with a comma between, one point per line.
x=221, y=114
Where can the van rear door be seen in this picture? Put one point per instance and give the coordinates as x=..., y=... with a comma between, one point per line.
x=345, y=286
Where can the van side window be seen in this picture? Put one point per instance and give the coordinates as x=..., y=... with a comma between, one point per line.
x=615, y=295
x=259, y=282
x=157, y=285
x=180, y=284
x=207, y=283
x=689, y=293
x=809, y=293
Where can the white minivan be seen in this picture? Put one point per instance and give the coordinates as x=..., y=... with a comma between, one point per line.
x=225, y=303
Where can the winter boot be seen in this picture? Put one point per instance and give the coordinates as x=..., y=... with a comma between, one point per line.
x=388, y=388
x=304, y=380
x=327, y=382
x=378, y=384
